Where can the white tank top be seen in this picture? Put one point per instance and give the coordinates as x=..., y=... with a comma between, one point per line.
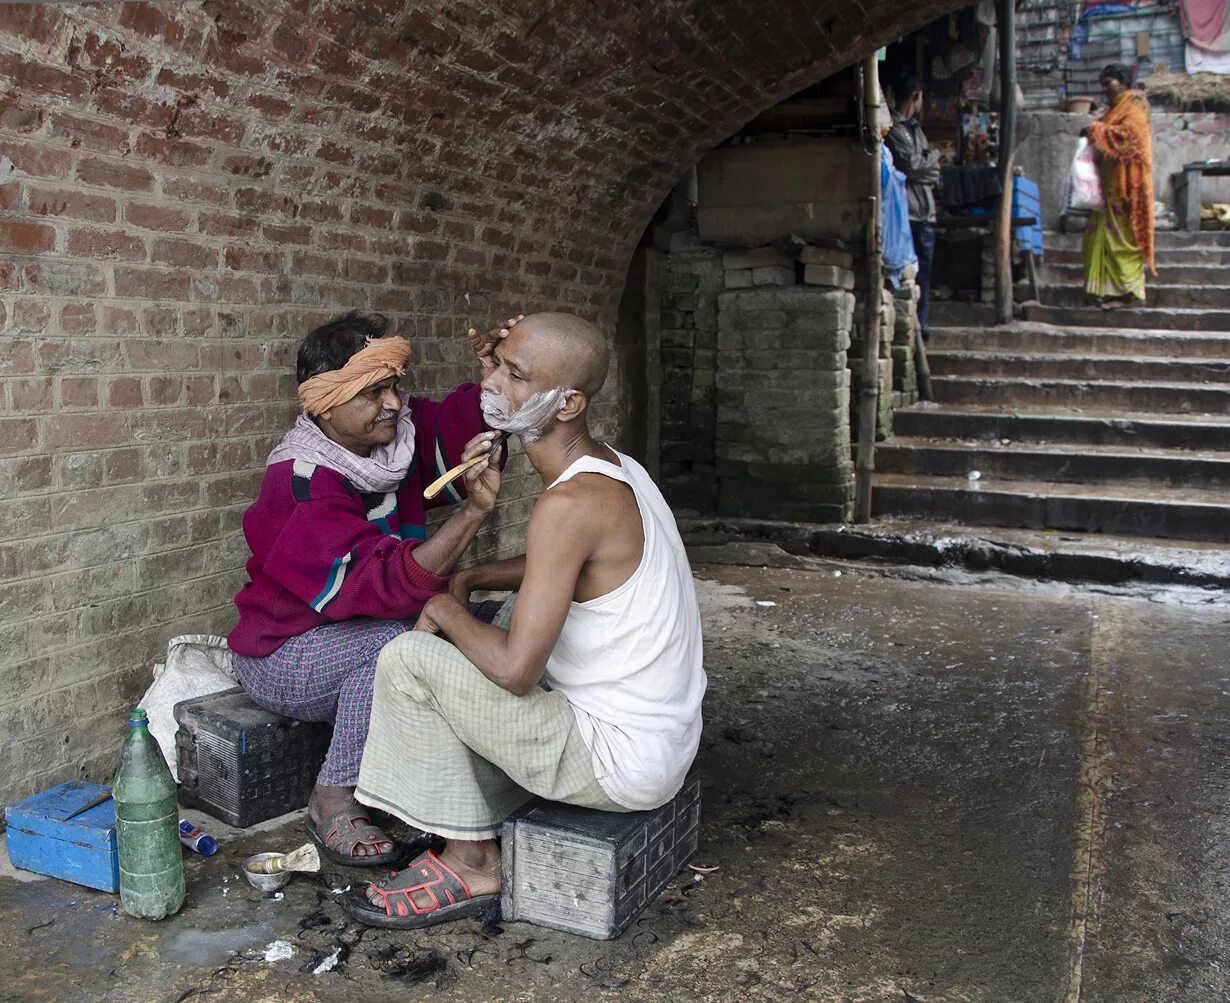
x=630, y=662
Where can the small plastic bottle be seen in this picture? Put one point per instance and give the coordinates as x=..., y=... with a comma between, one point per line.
x=147, y=827
x=197, y=839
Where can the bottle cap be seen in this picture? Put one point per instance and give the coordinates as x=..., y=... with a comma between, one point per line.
x=138, y=716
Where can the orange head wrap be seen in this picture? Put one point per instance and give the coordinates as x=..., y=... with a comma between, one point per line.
x=377, y=360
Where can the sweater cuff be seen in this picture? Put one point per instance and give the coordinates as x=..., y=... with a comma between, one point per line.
x=421, y=578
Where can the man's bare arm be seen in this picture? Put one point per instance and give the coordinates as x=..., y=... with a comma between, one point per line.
x=440, y=554
x=561, y=539
x=498, y=576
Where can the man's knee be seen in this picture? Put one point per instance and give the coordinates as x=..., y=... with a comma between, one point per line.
x=379, y=633
x=407, y=664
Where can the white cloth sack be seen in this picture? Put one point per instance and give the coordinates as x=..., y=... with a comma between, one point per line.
x=196, y=665
x=1083, y=188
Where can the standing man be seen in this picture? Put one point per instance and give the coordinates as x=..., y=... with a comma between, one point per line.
x=913, y=156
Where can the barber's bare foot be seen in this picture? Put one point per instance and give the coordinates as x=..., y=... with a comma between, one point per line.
x=476, y=863
x=326, y=802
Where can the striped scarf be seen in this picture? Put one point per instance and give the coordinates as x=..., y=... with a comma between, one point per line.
x=382, y=471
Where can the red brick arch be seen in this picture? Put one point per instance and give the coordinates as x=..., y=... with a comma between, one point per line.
x=198, y=182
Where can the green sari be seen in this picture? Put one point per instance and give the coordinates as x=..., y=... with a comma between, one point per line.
x=1113, y=263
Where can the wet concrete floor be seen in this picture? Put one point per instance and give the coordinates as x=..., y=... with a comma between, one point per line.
x=913, y=791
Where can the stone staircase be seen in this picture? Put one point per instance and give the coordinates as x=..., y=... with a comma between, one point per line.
x=1078, y=419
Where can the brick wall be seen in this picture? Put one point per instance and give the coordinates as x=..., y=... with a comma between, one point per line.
x=200, y=182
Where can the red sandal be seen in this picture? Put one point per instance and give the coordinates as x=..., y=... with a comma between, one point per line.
x=450, y=897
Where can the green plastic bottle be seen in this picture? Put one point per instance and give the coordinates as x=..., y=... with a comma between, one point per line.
x=147, y=827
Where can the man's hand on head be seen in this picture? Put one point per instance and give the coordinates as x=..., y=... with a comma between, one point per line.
x=484, y=345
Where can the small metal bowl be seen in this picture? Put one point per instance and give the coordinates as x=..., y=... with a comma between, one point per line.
x=265, y=882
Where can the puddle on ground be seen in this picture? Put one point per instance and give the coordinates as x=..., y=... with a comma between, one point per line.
x=213, y=947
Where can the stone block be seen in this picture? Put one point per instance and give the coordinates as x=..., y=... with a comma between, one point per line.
x=801, y=359
x=829, y=307
x=758, y=257
x=884, y=401
x=773, y=275
x=738, y=278
x=809, y=386
x=684, y=240
x=828, y=275
x=826, y=256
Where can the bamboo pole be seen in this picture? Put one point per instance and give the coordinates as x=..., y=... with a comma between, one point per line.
x=922, y=368
x=869, y=396
x=1007, y=132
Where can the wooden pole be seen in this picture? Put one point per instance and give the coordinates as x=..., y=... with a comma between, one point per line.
x=922, y=368
x=869, y=378
x=1007, y=133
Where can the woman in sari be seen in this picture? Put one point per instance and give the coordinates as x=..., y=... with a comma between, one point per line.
x=1119, y=238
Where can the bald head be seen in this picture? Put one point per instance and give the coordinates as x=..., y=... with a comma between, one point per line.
x=570, y=348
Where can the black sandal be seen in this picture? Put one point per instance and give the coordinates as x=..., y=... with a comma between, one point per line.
x=351, y=829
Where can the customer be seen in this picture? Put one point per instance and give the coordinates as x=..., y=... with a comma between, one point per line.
x=1119, y=238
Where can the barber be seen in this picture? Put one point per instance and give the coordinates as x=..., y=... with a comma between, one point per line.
x=340, y=561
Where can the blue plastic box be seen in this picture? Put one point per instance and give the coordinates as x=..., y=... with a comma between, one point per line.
x=80, y=849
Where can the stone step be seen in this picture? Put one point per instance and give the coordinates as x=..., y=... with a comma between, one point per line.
x=1134, y=511
x=1071, y=463
x=1037, y=425
x=1162, y=239
x=953, y=313
x=1052, y=274
x=923, y=542
x=1026, y=336
x=1040, y=366
x=1166, y=398
x=1165, y=296
x=1137, y=317
x=1163, y=257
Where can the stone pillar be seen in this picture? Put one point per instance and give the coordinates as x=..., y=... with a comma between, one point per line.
x=689, y=332
x=783, y=399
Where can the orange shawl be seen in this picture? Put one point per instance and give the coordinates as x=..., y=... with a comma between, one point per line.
x=1122, y=135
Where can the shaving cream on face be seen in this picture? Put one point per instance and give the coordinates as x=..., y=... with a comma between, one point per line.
x=530, y=420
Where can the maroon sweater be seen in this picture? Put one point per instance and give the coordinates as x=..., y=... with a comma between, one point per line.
x=322, y=550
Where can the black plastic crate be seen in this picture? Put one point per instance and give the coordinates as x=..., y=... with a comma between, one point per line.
x=242, y=763
x=593, y=872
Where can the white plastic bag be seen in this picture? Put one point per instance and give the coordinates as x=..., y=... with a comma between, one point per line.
x=1084, y=187
x=196, y=665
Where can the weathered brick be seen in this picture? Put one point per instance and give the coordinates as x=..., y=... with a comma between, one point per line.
x=109, y=174
x=184, y=253
x=79, y=391
x=82, y=431
x=244, y=259
x=78, y=318
x=44, y=78
x=106, y=244
x=172, y=151
x=190, y=189
x=26, y=238
x=151, y=284
x=124, y=392
x=157, y=217
x=71, y=204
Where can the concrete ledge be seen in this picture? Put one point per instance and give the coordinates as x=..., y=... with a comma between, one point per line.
x=1064, y=557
